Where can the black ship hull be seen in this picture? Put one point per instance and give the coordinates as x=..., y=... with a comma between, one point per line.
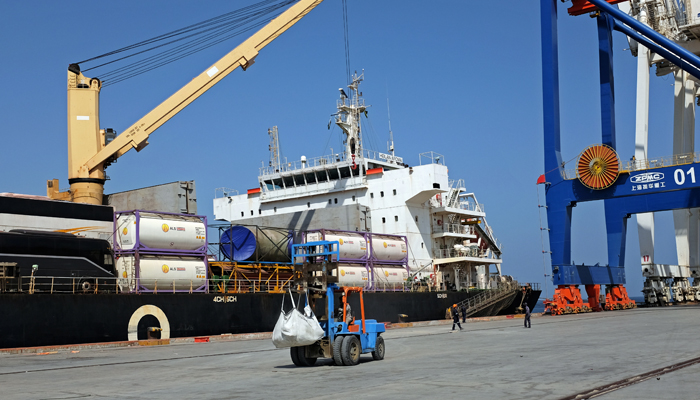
x=28, y=320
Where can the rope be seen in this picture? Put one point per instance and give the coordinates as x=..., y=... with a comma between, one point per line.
x=185, y=41
x=347, y=42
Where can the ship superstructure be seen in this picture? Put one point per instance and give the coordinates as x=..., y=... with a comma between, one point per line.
x=450, y=245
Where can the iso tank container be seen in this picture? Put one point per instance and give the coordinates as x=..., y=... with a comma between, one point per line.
x=388, y=248
x=349, y=275
x=353, y=275
x=155, y=231
x=388, y=274
x=166, y=273
x=241, y=243
x=353, y=246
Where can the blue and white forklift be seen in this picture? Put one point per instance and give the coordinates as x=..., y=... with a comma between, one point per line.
x=345, y=338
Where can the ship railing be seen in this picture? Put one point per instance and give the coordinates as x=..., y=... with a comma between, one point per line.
x=488, y=297
x=224, y=192
x=91, y=285
x=431, y=157
x=325, y=160
x=62, y=284
x=380, y=286
x=471, y=206
x=471, y=251
x=350, y=102
x=250, y=285
x=456, y=228
x=456, y=183
x=104, y=285
x=302, y=164
x=440, y=200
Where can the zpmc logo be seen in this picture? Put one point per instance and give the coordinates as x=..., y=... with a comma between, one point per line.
x=165, y=227
x=647, y=177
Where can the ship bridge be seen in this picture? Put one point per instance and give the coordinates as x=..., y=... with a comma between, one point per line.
x=325, y=174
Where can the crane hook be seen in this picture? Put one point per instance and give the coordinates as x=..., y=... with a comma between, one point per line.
x=354, y=166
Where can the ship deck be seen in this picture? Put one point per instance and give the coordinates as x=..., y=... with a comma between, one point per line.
x=559, y=357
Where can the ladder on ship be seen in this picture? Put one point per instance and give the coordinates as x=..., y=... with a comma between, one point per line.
x=488, y=298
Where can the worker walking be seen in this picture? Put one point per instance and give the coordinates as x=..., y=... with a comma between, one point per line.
x=527, y=317
x=455, y=317
x=464, y=312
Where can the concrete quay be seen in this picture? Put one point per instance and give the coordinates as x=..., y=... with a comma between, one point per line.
x=624, y=354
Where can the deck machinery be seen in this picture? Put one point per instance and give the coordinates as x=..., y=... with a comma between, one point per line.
x=635, y=187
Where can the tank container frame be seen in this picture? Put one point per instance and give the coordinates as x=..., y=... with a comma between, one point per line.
x=371, y=261
x=140, y=249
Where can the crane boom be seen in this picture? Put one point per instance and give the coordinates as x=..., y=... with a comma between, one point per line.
x=88, y=154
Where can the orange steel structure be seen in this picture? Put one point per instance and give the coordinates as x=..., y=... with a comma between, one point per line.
x=616, y=298
x=354, y=289
x=250, y=278
x=579, y=7
x=593, y=292
x=566, y=300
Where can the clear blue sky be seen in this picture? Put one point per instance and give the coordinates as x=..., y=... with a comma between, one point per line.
x=463, y=79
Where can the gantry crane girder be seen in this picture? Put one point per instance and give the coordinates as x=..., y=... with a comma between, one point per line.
x=634, y=191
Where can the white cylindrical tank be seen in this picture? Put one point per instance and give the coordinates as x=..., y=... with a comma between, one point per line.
x=388, y=248
x=161, y=231
x=164, y=272
x=353, y=246
x=349, y=275
x=482, y=273
x=389, y=274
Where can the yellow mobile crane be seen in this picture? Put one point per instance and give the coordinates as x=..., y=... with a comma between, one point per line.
x=88, y=152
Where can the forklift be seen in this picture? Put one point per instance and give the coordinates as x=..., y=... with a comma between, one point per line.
x=345, y=340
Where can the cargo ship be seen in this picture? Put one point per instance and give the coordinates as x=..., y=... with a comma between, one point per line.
x=413, y=238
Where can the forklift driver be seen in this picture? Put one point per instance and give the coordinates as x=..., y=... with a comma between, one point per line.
x=348, y=312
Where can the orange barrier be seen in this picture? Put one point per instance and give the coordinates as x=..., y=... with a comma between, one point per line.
x=616, y=298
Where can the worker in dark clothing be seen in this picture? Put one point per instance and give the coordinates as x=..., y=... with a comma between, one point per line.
x=455, y=317
x=464, y=313
x=527, y=317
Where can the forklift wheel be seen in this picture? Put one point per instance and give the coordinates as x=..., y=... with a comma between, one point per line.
x=378, y=353
x=337, y=344
x=295, y=356
x=303, y=360
x=351, y=350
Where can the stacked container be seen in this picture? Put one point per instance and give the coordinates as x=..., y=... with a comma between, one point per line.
x=375, y=261
x=160, y=252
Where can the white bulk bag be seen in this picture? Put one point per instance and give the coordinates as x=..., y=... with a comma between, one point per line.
x=296, y=329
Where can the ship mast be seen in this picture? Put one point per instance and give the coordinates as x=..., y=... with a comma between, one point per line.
x=274, y=149
x=390, y=146
x=348, y=117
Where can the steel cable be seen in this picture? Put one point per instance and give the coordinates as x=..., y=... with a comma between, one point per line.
x=197, y=37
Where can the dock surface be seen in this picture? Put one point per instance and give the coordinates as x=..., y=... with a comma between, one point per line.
x=559, y=357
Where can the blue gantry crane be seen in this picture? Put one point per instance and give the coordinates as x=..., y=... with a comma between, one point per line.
x=632, y=187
